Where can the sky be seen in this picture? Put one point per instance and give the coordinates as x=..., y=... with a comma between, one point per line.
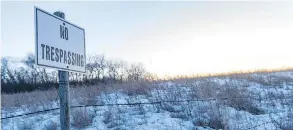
x=169, y=38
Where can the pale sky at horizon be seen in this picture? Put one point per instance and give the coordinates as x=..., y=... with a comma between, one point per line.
x=169, y=38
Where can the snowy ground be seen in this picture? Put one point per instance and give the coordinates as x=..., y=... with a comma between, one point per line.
x=263, y=105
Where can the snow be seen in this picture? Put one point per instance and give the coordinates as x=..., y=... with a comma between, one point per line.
x=175, y=116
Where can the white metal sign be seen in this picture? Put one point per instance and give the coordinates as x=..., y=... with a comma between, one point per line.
x=59, y=43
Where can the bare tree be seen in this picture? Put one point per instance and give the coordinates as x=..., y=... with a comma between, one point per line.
x=136, y=72
x=99, y=66
x=30, y=62
x=89, y=70
x=114, y=68
x=4, y=67
x=98, y=70
x=151, y=77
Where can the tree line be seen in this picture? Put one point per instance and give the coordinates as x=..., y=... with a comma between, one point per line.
x=99, y=70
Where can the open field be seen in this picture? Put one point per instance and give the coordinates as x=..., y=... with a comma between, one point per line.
x=236, y=102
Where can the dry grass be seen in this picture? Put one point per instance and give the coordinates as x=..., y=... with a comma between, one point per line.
x=81, y=117
x=131, y=88
x=239, y=73
x=83, y=95
x=28, y=98
x=232, y=94
x=86, y=94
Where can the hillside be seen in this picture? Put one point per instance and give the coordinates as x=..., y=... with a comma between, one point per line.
x=235, y=102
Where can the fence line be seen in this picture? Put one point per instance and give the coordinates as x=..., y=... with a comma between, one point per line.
x=100, y=105
x=136, y=103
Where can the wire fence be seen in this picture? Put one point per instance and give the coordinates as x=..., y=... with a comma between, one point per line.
x=268, y=98
x=101, y=105
x=149, y=103
x=133, y=104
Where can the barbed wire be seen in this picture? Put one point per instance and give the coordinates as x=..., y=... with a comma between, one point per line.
x=133, y=104
x=161, y=100
x=100, y=105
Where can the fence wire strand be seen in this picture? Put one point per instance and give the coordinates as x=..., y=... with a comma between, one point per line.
x=161, y=101
x=128, y=104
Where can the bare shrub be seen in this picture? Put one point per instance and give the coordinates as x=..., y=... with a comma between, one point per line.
x=86, y=95
x=238, y=98
x=205, y=89
x=174, y=93
x=81, y=117
x=107, y=117
x=111, y=119
x=257, y=79
x=83, y=95
x=284, y=122
x=140, y=88
x=141, y=110
x=52, y=126
x=208, y=116
x=286, y=79
x=268, y=79
x=131, y=88
x=168, y=107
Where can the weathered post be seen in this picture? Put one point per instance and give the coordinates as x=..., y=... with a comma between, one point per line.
x=60, y=44
x=63, y=91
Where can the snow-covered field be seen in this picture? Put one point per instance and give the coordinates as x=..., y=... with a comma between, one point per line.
x=256, y=101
